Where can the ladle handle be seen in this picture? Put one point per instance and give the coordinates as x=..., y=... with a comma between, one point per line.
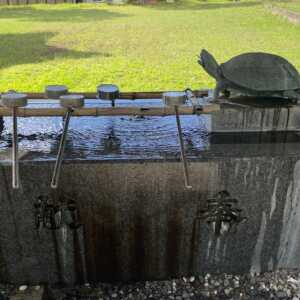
x=182, y=152
x=61, y=149
x=15, y=159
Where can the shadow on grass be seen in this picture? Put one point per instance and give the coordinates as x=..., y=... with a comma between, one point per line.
x=203, y=5
x=27, y=48
x=70, y=14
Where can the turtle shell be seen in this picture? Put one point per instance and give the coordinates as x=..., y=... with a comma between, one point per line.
x=261, y=72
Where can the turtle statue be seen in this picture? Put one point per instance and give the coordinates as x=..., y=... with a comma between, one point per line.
x=253, y=74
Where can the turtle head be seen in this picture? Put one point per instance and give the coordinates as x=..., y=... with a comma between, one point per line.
x=208, y=62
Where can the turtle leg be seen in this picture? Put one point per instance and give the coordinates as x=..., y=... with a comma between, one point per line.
x=219, y=87
x=297, y=98
x=292, y=95
x=226, y=93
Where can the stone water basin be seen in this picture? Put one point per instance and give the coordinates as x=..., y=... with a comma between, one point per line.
x=140, y=223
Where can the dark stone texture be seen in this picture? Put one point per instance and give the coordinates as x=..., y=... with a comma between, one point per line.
x=140, y=222
x=243, y=115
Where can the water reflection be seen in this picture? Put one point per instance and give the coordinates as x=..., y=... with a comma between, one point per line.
x=110, y=137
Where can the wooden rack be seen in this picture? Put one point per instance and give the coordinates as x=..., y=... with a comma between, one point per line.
x=113, y=111
x=123, y=96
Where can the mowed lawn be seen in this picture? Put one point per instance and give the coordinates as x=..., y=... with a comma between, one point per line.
x=291, y=5
x=139, y=48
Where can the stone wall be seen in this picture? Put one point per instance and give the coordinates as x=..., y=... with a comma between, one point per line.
x=139, y=222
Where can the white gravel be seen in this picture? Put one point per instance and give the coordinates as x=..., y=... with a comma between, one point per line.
x=282, y=284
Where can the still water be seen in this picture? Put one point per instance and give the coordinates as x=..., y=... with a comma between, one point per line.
x=108, y=137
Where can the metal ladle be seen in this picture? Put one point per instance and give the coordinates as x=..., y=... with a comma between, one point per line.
x=108, y=92
x=176, y=99
x=55, y=91
x=13, y=100
x=70, y=102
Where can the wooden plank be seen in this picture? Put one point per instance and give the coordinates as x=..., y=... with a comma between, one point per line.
x=112, y=111
x=125, y=96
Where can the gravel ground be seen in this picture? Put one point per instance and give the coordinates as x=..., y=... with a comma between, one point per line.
x=281, y=284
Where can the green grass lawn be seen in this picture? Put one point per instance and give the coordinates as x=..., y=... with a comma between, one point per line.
x=290, y=5
x=137, y=47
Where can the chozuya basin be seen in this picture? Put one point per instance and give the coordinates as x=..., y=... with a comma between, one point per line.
x=139, y=221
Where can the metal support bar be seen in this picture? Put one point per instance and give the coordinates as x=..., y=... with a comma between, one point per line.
x=15, y=158
x=182, y=152
x=62, y=145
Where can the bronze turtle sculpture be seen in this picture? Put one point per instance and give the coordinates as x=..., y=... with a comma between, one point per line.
x=254, y=74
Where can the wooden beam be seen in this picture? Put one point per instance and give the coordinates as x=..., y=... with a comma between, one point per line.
x=112, y=111
x=123, y=96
